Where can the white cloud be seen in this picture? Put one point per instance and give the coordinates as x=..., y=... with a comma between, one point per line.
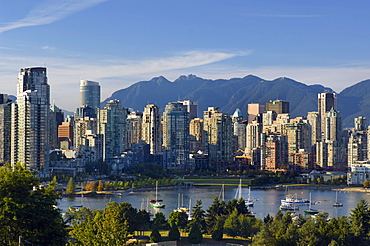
x=46, y=47
x=283, y=15
x=64, y=74
x=50, y=11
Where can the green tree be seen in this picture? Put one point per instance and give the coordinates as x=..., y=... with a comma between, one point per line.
x=70, y=187
x=105, y=227
x=217, y=234
x=195, y=235
x=249, y=225
x=360, y=223
x=198, y=216
x=308, y=234
x=264, y=237
x=178, y=218
x=174, y=233
x=155, y=236
x=212, y=213
x=82, y=226
x=160, y=221
x=232, y=224
x=28, y=210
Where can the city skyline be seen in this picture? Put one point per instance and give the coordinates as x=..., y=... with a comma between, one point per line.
x=118, y=43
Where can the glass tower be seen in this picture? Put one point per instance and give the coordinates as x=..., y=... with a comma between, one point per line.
x=89, y=94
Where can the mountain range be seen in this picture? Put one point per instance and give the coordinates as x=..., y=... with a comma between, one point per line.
x=235, y=93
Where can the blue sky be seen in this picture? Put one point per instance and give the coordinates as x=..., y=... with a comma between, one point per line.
x=120, y=42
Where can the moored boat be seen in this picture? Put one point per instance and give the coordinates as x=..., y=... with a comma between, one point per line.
x=337, y=204
x=156, y=203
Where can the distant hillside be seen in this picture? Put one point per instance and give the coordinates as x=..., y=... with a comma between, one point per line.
x=354, y=101
x=239, y=92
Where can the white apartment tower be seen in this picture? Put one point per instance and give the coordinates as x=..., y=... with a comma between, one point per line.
x=30, y=121
x=151, y=128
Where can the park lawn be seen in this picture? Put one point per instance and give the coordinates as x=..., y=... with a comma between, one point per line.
x=207, y=239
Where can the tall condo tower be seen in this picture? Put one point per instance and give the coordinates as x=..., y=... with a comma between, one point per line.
x=113, y=127
x=326, y=102
x=151, y=128
x=176, y=142
x=219, y=132
x=5, y=128
x=89, y=94
x=30, y=120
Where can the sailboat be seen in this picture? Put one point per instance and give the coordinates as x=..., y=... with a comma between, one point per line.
x=337, y=204
x=238, y=193
x=156, y=203
x=311, y=210
x=249, y=202
x=222, y=193
x=181, y=208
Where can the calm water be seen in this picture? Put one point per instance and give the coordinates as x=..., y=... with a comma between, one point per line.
x=268, y=200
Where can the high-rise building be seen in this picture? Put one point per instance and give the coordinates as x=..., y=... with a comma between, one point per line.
x=357, y=147
x=89, y=94
x=268, y=118
x=254, y=130
x=5, y=128
x=219, y=132
x=255, y=109
x=314, y=120
x=197, y=130
x=279, y=106
x=333, y=125
x=134, y=125
x=192, y=108
x=113, y=128
x=299, y=138
x=30, y=120
x=151, y=128
x=240, y=129
x=360, y=123
x=65, y=135
x=176, y=142
x=275, y=152
x=326, y=102
x=56, y=119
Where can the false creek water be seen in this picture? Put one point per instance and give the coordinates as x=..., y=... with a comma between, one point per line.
x=267, y=200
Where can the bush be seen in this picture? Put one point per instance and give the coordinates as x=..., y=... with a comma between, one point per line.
x=174, y=233
x=155, y=236
x=217, y=235
x=195, y=235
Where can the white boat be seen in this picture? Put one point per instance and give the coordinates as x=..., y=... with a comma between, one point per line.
x=293, y=199
x=249, y=202
x=337, y=204
x=289, y=207
x=181, y=208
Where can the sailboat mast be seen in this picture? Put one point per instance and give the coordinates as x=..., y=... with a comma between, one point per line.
x=156, y=190
x=223, y=192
